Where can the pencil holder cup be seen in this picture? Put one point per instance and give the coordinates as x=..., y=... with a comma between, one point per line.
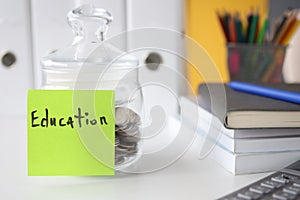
x=255, y=63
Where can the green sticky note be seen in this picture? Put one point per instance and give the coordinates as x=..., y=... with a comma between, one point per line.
x=70, y=132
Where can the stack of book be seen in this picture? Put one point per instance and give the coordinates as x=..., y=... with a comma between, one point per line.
x=252, y=133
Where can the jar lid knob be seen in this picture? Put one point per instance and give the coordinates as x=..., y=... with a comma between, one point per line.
x=80, y=20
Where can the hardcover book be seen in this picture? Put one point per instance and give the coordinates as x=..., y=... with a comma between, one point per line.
x=242, y=110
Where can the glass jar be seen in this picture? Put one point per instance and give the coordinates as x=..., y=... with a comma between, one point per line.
x=91, y=63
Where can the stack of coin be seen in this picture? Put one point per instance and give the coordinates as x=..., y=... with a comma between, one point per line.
x=127, y=135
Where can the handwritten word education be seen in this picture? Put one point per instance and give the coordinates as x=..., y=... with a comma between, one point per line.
x=81, y=119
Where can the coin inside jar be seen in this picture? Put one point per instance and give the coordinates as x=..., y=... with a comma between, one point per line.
x=127, y=134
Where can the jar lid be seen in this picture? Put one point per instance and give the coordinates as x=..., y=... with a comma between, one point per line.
x=89, y=26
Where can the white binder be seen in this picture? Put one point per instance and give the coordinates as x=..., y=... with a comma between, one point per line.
x=15, y=56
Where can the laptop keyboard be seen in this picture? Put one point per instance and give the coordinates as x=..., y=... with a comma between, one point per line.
x=278, y=186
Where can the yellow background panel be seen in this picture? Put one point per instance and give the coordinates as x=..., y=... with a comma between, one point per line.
x=202, y=25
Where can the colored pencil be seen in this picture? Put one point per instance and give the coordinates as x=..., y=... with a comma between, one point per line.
x=239, y=28
x=221, y=21
x=253, y=27
x=262, y=32
x=280, y=25
x=291, y=32
x=232, y=30
x=291, y=18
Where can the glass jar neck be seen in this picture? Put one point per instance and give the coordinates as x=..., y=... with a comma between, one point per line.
x=90, y=31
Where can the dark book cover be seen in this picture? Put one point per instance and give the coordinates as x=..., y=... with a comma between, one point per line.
x=222, y=100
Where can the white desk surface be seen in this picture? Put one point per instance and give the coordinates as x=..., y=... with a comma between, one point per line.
x=188, y=178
